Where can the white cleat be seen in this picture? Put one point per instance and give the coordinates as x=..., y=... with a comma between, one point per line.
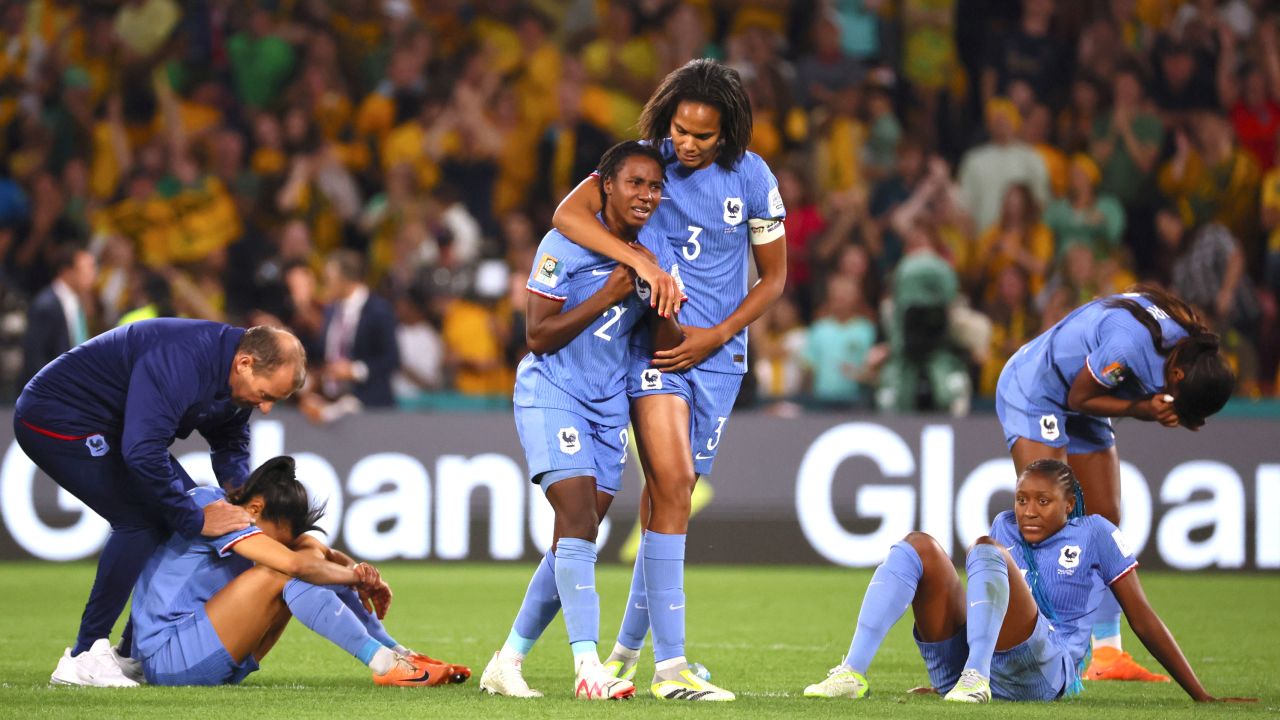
x=594, y=682
x=972, y=688
x=504, y=676
x=841, y=682
x=130, y=667
x=96, y=667
x=689, y=687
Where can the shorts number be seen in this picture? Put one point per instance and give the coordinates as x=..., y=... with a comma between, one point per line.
x=714, y=442
x=693, y=248
x=617, y=311
x=622, y=438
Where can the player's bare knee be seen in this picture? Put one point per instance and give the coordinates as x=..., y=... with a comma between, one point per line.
x=583, y=528
x=985, y=540
x=925, y=546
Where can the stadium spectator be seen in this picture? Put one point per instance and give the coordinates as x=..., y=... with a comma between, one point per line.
x=1030, y=54
x=59, y=316
x=1083, y=216
x=779, y=342
x=1020, y=239
x=837, y=346
x=359, y=336
x=987, y=170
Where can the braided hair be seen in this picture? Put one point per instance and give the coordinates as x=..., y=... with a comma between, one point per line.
x=1062, y=474
x=1207, y=379
x=284, y=499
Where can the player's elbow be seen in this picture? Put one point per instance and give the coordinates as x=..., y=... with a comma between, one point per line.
x=536, y=341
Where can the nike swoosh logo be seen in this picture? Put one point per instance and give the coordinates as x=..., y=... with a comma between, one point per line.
x=584, y=587
x=976, y=603
x=602, y=272
x=877, y=582
x=638, y=606
x=339, y=610
x=675, y=607
x=700, y=456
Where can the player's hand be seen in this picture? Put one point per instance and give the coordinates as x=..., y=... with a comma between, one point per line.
x=618, y=286
x=222, y=517
x=1160, y=408
x=665, y=294
x=697, y=344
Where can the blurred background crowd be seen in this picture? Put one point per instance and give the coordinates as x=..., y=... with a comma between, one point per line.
x=376, y=174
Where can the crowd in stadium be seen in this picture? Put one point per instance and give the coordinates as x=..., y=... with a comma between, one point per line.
x=958, y=175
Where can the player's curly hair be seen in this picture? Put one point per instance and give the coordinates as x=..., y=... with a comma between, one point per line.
x=705, y=81
x=284, y=499
x=1061, y=473
x=611, y=161
x=1207, y=381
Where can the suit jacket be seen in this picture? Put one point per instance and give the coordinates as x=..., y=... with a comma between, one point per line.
x=47, y=335
x=375, y=345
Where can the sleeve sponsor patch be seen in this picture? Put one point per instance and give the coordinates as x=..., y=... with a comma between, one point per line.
x=775, y=203
x=549, y=271
x=1121, y=545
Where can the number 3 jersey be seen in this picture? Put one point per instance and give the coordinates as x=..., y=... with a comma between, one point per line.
x=709, y=218
x=586, y=376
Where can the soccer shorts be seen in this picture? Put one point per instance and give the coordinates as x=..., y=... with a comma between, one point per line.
x=560, y=444
x=194, y=655
x=710, y=396
x=1024, y=415
x=1039, y=668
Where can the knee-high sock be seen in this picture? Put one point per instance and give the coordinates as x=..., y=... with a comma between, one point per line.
x=537, y=610
x=987, y=597
x=372, y=624
x=664, y=593
x=119, y=565
x=889, y=594
x=576, y=582
x=1106, y=621
x=635, y=620
x=321, y=610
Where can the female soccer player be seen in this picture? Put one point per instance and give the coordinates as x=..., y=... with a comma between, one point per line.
x=207, y=610
x=1145, y=355
x=571, y=414
x=1021, y=626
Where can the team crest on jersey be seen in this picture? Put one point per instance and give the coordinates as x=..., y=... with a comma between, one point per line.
x=1069, y=558
x=1114, y=373
x=97, y=445
x=642, y=289
x=733, y=211
x=1049, y=427
x=650, y=379
x=549, y=270
x=569, y=442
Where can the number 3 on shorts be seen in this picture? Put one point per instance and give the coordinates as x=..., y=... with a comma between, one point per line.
x=714, y=442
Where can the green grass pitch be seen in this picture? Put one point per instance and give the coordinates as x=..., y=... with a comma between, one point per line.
x=764, y=632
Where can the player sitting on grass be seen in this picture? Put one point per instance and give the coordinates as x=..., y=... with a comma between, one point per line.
x=1019, y=630
x=206, y=610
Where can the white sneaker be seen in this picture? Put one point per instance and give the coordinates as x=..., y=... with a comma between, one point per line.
x=131, y=667
x=972, y=688
x=95, y=668
x=594, y=682
x=841, y=682
x=504, y=676
x=685, y=685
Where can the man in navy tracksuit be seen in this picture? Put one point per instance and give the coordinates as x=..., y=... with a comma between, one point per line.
x=99, y=420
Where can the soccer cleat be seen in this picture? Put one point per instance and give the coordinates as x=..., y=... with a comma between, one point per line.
x=408, y=673
x=841, y=682
x=96, y=667
x=688, y=686
x=457, y=673
x=623, y=668
x=503, y=676
x=130, y=667
x=972, y=688
x=594, y=682
x=1114, y=664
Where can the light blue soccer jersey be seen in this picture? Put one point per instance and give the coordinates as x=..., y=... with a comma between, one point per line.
x=1087, y=549
x=182, y=576
x=585, y=376
x=1109, y=341
x=704, y=218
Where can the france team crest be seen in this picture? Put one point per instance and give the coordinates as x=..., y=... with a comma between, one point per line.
x=97, y=445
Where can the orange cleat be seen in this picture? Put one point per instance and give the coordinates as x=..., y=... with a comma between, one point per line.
x=408, y=672
x=1113, y=664
x=457, y=673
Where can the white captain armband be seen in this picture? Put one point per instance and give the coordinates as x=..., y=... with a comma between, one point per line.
x=764, y=231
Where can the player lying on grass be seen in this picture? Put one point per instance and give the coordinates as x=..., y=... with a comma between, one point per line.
x=571, y=413
x=207, y=610
x=1019, y=630
x=1143, y=354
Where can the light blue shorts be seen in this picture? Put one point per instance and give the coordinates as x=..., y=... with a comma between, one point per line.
x=1039, y=668
x=194, y=655
x=560, y=444
x=1044, y=421
x=710, y=396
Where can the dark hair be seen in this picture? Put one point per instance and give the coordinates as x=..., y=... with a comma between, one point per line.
x=65, y=256
x=613, y=158
x=350, y=264
x=1061, y=473
x=284, y=499
x=1207, y=379
x=704, y=81
x=270, y=351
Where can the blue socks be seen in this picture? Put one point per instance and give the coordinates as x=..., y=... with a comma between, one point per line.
x=539, y=608
x=575, y=576
x=372, y=624
x=892, y=588
x=635, y=621
x=319, y=608
x=664, y=590
x=987, y=598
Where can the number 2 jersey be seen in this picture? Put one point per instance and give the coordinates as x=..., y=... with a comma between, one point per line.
x=586, y=376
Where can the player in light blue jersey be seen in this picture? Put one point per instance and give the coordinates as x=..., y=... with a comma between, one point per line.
x=1145, y=355
x=721, y=205
x=207, y=610
x=571, y=413
x=1021, y=626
